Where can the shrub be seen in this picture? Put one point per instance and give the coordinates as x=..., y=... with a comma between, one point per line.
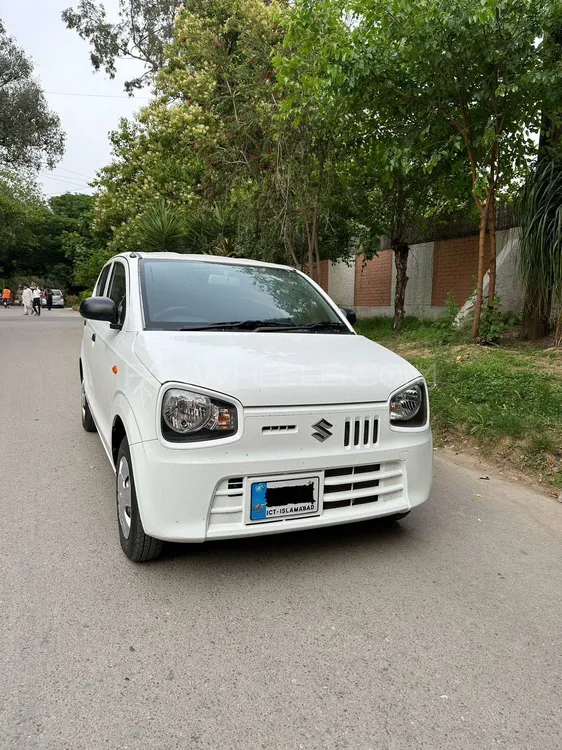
x=492, y=323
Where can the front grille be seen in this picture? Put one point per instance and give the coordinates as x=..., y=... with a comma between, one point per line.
x=360, y=432
x=228, y=502
x=344, y=487
x=235, y=484
x=276, y=428
x=359, y=485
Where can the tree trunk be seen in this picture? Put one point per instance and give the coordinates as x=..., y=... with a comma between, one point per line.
x=310, y=249
x=317, y=255
x=535, y=324
x=310, y=262
x=290, y=248
x=481, y=269
x=492, y=232
x=316, y=273
x=401, y=252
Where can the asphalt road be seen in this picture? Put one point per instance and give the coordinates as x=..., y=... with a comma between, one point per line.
x=442, y=632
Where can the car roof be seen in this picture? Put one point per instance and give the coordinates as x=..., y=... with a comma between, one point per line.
x=204, y=259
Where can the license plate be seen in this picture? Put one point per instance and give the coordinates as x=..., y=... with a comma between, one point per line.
x=285, y=498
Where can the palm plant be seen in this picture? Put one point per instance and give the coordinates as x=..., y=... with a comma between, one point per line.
x=540, y=257
x=212, y=231
x=162, y=229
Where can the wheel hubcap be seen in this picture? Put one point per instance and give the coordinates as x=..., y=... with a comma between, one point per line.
x=83, y=400
x=124, y=496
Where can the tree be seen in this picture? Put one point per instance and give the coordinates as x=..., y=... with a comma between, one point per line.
x=36, y=238
x=212, y=140
x=30, y=133
x=471, y=75
x=155, y=155
x=407, y=202
x=320, y=146
x=140, y=32
x=20, y=207
x=396, y=191
x=201, y=140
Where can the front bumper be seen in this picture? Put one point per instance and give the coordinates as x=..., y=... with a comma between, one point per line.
x=198, y=494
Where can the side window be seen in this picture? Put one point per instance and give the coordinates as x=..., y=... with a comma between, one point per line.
x=118, y=290
x=100, y=286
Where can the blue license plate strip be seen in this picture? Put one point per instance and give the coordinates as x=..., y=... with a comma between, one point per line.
x=275, y=500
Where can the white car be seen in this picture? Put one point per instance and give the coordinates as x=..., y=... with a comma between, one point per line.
x=234, y=399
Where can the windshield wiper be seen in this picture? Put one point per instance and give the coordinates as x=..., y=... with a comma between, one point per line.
x=240, y=325
x=313, y=327
x=268, y=325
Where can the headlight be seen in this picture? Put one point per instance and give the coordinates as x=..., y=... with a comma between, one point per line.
x=406, y=405
x=188, y=416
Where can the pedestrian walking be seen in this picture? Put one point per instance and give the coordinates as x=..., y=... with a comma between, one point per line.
x=27, y=299
x=37, y=300
x=49, y=297
x=6, y=297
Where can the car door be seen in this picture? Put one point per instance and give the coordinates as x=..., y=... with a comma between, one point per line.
x=89, y=349
x=106, y=347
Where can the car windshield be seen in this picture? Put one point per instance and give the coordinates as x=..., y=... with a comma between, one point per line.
x=205, y=295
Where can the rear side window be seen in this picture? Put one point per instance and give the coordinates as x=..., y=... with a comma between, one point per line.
x=100, y=286
x=118, y=290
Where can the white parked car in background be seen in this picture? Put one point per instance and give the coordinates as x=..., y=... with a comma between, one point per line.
x=234, y=399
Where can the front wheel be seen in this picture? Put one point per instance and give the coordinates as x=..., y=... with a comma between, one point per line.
x=87, y=420
x=138, y=546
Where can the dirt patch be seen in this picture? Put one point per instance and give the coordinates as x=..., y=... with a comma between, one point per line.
x=503, y=457
x=410, y=350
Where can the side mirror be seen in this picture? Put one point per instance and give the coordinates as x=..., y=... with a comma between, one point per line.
x=351, y=315
x=99, y=308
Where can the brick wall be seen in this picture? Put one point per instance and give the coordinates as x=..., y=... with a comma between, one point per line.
x=455, y=268
x=373, y=280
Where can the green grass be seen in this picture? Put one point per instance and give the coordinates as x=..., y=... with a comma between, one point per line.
x=413, y=331
x=507, y=399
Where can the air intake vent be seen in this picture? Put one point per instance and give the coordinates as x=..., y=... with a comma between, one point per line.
x=277, y=428
x=353, y=486
x=234, y=485
x=361, y=432
x=359, y=485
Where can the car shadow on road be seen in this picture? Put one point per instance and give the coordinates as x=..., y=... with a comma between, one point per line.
x=336, y=540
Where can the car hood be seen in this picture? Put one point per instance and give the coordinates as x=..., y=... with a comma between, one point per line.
x=276, y=369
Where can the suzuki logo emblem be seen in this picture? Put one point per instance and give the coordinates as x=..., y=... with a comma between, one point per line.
x=322, y=430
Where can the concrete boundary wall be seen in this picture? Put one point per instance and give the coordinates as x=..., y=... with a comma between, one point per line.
x=434, y=269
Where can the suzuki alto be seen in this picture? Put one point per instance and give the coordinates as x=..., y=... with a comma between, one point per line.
x=234, y=399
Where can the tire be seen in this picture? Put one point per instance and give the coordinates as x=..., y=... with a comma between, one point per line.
x=87, y=420
x=138, y=546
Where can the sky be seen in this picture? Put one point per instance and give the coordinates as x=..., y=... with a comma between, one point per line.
x=62, y=65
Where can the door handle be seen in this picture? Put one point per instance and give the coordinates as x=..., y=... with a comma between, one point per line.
x=93, y=336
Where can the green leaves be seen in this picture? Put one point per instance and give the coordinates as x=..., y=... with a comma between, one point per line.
x=161, y=229
x=540, y=216
x=30, y=133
